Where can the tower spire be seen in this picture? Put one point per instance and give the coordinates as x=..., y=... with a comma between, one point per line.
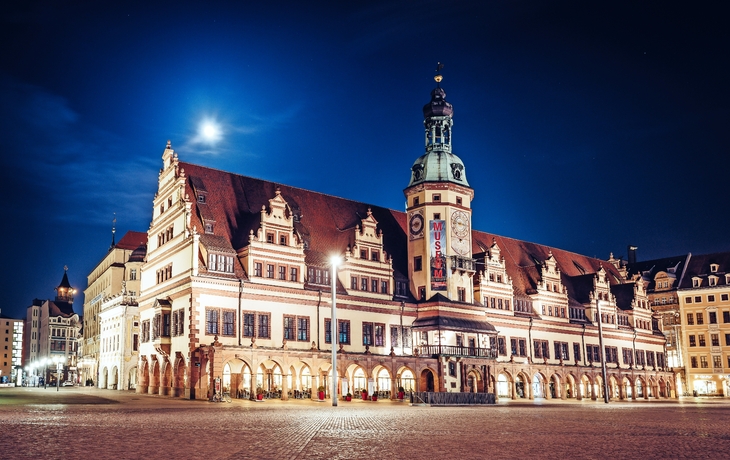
x=438, y=77
x=114, y=231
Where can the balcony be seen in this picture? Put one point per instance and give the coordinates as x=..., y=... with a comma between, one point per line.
x=465, y=264
x=453, y=350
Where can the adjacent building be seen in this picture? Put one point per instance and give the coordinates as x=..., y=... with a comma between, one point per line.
x=237, y=285
x=51, y=335
x=11, y=339
x=704, y=302
x=111, y=321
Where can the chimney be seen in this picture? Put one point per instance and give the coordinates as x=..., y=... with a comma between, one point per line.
x=632, y=254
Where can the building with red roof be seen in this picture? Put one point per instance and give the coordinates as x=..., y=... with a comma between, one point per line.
x=236, y=289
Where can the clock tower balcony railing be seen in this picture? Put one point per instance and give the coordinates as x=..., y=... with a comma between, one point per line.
x=456, y=350
x=466, y=264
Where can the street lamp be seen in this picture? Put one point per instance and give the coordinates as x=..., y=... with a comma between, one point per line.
x=603, y=355
x=335, y=261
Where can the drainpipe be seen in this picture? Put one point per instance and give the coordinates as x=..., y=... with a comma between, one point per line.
x=402, y=337
x=529, y=338
x=240, y=294
x=319, y=304
x=583, y=339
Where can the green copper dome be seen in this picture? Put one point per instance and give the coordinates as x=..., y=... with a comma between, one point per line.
x=438, y=166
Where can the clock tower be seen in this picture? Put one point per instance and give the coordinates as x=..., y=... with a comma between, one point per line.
x=438, y=205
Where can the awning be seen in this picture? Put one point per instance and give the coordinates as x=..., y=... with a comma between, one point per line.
x=453, y=324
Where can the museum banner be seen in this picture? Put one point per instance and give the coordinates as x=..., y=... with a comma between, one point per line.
x=438, y=259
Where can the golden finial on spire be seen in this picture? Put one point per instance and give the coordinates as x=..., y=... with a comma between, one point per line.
x=438, y=76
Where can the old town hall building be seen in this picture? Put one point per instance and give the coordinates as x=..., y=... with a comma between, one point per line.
x=235, y=289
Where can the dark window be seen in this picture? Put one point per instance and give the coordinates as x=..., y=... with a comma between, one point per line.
x=417, y=264
x=394, y=336
x=211, y=325
x=712, y=317
x=727, y=339
x=374, y=284
x=257, y=269
x=715, y=340
x=282, y=273
x=166, y=325
x=693, y=360
x=383, y=287
x=367, y=333
x=380, y=335
x=303, y=329
x=248, y=324
x=269, y=271
x=344, y=331
x=327, y=330
x=726, y=317
x=229, y=323
x=692, y=341
x=364, y=284
x=353, y=283
x=264, y=326
x=293, y=274
x=701, y=338
x=452, y=369
x=690, y=319
x=289, y=328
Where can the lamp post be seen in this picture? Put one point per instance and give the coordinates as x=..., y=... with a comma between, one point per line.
x=333, y=329
x=603, y=352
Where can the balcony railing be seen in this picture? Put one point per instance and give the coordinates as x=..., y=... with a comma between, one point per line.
x=463, y=263
x=453, y=350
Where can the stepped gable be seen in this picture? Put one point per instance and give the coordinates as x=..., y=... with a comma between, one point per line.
x=522, y=261
x=326, y=224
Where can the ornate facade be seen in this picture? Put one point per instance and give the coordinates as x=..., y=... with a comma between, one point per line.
x=236, y=287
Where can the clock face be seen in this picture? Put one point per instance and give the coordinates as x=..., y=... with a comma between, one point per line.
x=459, y=224
x=416, y=225
x=460, y=246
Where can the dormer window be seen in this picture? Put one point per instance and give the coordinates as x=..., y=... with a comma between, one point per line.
x=696, y=282
x=712, y=280
x=220, y=263
x=209, y=227
x=201, y=199
x=714, y=268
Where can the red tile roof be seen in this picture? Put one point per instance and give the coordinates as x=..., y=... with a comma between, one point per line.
x=326, y=225
x=132, y=240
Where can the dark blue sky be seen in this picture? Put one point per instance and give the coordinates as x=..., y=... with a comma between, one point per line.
x=585, y=126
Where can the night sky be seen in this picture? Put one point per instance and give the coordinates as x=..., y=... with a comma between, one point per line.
x=586, y=126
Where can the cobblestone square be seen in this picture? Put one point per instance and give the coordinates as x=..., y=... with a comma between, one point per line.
x=100, y=424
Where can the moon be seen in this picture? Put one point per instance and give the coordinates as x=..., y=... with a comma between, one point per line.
x=210, y=131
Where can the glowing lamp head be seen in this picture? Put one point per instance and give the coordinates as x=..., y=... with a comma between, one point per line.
x=335, y=261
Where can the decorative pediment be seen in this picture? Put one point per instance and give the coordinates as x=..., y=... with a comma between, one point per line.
x=277, y=223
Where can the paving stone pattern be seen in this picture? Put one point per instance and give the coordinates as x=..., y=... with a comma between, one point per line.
x=81, y=423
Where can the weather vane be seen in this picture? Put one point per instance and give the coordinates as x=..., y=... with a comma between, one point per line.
x=438, y=76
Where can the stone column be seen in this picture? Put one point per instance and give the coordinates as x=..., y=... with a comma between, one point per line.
x=393, y=389
x=514, y=388
x=594, y=396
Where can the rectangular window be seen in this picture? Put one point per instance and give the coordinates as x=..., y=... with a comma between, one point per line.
x=394, y=336
x=693, y=360
x=303, y=329
x=542, y=349
x=211, y=321
x=717, y=362
x=690, y=319
x=166, y=325
x=269, y=271
x=628, y=356
x=257, y=269
x=327, y=330
x=710, y=298
x=264, y=331
x=501, y=346
x=248, y=324
x=715, y=340
x=293, y=274
x=701, y=338
x=688, y=299
x=407, y=337
x=374, y=284
x=712, y=316
x=344, y=331
x=461, y=293
x=417, y=264
x=726, y=316
x=379, y=335
x=700, y=318
x=282, y=272
x=383, y=287
x=452, y=369
x=576, y=351
x=724, y=297
x=611, y=354
x=703, y=362
x=353, y=283
x=364, y=254
x=133, y=274
x=692, y=341
x=727, y=339
x=364, y=284
x=367, y=333
x=375, y=255
x=229, y=323
x=289, y=327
